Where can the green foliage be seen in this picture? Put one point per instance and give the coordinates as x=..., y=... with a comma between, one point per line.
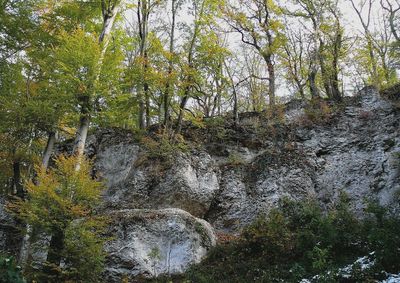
x=61, y=203
x=9, y=271
x=298, y=240
x=383, y=232
x=17, y=26
x=162, y=148
x=234, y=159
x=83, y=251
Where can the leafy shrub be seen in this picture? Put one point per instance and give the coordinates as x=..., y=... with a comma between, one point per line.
x=9, y=271
x=235, y=159
x=383, y=237
x=319, y=111
x=298, y=240
x=162, y=148
x=61, y=203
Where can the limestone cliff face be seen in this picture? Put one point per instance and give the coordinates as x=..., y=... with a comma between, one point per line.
x=357, y=152
x=166, y=218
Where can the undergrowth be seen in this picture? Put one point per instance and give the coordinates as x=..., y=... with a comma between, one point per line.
x=298, y=240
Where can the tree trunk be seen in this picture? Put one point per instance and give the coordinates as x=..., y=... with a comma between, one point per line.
x=54, y=255
x=235, y=96
x=312, y=81
x=337, y=45
x=189, y=78
x=170, y=65
x=271, y=70
x=324, y=73
x=81, y=135
x=393, y=28
x=17, y=183
x=315, y=58
x=374, y=70
x=147, y=96
x=271, y=75
x=181, y=110
x=49, y=149
x=336, y=95
x=300, y=87
x=109, y=17
x=142, y=17
x=26, y=241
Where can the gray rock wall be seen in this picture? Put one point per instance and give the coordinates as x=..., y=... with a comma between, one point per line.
x=358, y=152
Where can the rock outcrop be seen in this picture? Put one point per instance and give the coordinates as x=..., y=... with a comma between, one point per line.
x=9, y=234
x=357, y=152
x=190, y=184
x=154, y=242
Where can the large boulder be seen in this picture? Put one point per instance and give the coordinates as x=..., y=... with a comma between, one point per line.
x=149, y=243
x=189, y=183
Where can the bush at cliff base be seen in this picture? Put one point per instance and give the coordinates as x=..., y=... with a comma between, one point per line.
x=9, y=271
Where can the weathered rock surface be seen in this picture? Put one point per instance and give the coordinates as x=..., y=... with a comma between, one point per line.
x=190, y=184
x=154, y=242
x=9, y=233
x=359, y=153
x=356, y=152
x=254, y=188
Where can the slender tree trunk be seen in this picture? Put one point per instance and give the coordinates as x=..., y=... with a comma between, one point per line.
x=374, y=70
x=26, y=241
x=235, y=96
x=81, y=135
x=312, y=78
x=324, y=73
x=370, y=46
x=142, y=16
x=271, y=74
x=147, y=97
x=312, y=81
x=17, y=183
x=146, y=90
x=49, y=149
x=300, y=87
x=189, y=78
x=393, y=28
x=54, y=255
x=141, y=116
x=392, y=15
x=166, y=101
x=337, y=96
x=271, y=71
x=218, y=83
x=170, y=65
x=109, y=17
x=182, y=106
